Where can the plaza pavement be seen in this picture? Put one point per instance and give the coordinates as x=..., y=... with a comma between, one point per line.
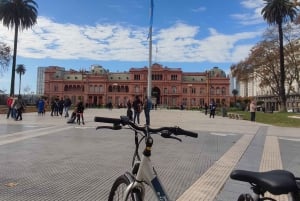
x=226, y=144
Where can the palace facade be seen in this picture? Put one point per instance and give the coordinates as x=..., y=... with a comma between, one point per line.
x=171, y=87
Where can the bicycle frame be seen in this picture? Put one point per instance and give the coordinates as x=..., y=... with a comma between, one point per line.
x=146, y=174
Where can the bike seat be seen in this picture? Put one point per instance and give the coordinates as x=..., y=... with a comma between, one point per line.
x=276, y=182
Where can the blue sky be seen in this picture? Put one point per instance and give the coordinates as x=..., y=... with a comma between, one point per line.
x=192, y=35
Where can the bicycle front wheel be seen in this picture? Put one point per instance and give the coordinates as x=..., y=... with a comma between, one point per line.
x=119, y=187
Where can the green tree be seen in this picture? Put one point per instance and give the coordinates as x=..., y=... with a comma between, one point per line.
x=4, y=57
x=21, y=71
x=277, y=12
x=20, y=15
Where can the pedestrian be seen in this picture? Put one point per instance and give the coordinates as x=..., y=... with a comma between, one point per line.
x=61, y=106
x=252, y=110
x=205, y=108
x=129, y=110
x=67, y=105
x=20, y=107
x=137, y=109
x=147, y=108
x=79, y=110
x=9, y=103
x=212, y=109
x=41, y=106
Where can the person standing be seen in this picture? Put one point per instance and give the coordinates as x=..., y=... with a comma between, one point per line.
x=41, y=106
x=67, y=105
x=79, y=110
x=252, y=110
x=205, y=108
x=9, y=103
x=137, y=108
x=212, y=108
x=61, y=106
x=147, y=108
x=129, y=110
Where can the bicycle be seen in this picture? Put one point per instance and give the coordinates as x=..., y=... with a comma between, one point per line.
x=276, y=182
x=131, y=185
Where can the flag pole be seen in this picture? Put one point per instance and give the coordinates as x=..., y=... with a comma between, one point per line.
x=150, y=52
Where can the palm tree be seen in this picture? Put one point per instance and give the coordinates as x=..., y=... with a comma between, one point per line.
x=17, y=14
x=277, y=12
x=21, y=71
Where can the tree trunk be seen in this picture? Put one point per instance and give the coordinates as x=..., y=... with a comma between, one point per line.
x=13, y=69
x=282, y=70
x=20, y=84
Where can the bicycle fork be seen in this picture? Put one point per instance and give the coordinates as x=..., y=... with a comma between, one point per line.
x=147, y=174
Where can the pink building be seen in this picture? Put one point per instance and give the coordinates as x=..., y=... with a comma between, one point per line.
x=170, y=86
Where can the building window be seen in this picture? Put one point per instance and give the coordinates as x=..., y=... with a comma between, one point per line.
x=173, y=77
x=202, y=91
x=157, y=77
x=96, y=89
x=165, y=90
x=193, y=90
x=184, y=90
x=212, y=91
x=174, y=90
x=223, y=91
x=218, y=91
x=137, y=77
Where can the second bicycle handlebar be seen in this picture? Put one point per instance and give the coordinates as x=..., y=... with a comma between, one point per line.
x=124, y=120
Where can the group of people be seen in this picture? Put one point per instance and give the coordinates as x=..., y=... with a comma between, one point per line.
x=135, y=108
x=16, y=107
x=60, y=106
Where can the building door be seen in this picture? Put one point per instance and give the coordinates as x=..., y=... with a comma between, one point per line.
x=156, y=94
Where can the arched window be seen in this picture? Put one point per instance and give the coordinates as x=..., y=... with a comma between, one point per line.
x=109, y=88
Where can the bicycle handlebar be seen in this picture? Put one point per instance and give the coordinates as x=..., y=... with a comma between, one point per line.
x=124, y=120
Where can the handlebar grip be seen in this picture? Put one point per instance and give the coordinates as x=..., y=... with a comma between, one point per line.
x=107, y=120
x=181, y=131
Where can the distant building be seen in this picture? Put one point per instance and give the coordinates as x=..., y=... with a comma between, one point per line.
x=40, y=81
x=171, y=87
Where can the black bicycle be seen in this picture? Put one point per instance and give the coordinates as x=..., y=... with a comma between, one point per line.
x=276, y=182
x=131, y=185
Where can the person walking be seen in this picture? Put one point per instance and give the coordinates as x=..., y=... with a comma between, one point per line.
x=212, y=108
x=20, y=107
x=252, y=110
x=137, y=109
x=147, y=108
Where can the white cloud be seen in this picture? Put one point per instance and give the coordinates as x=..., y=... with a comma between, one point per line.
x=106, y=42
x=252, y=14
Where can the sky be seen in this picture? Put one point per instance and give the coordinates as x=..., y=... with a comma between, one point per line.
x=192, y=35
